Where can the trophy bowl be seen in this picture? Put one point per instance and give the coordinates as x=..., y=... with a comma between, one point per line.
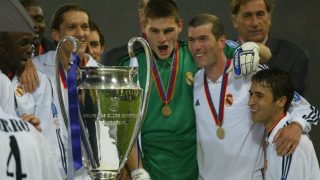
x=109, y=104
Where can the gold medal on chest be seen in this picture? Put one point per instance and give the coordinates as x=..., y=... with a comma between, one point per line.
x=19, y=91
x=166, y=110
x=220, y=132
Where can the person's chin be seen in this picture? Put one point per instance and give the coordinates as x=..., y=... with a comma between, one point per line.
x=161, y=55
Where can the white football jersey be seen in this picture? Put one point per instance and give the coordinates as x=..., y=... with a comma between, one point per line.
x=302, y=164
x=6, y=95
x=41, y=104
x=46, y=64
x=24, y=154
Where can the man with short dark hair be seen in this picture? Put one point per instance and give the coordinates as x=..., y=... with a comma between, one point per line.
x=271, y=93
x=95, y=41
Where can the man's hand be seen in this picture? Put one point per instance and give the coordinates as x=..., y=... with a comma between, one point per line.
x=247, y=58
x=124, y=174
x=29, y=78
x=32, y=119
x=287, y=139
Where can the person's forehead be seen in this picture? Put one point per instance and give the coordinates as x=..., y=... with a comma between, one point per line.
x=73, y=15
x=254, y=5
x=94, y=34
x=162, y=22
x=203, y=28
x=34, y=10
x=18, y=36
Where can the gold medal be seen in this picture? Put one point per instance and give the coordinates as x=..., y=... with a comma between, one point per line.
x=189, y=78
x=220, y=132
x=166, y=110
x=19, y=91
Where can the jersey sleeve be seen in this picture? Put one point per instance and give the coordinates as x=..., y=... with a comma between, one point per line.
x=304, y=113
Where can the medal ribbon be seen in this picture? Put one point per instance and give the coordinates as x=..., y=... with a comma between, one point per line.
x=74, y=112
x=167, y=96
x=62, y=76
x=41, y=50
x=218, y=118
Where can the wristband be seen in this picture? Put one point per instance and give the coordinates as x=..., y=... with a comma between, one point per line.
x=140, y=174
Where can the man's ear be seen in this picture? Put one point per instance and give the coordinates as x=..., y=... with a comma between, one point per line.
x=222, y=41
x=180, y=25
x=55, y=35
x=234, y=20
x=281, y=101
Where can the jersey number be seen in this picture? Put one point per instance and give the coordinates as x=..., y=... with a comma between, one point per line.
x=16, y=154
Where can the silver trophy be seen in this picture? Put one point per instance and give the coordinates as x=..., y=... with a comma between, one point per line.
x=112, y=108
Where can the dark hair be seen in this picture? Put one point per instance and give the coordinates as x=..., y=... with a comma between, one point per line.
x=57, y=18
x=279, y=81
x=217, y=28
x=161, y=9
x=235, y=5
x=94, y=27
x=141, y=5
x=28, y=3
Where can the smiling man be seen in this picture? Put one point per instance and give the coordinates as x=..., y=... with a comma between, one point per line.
x=271, y=93
x=68, y=20
x=16, y=49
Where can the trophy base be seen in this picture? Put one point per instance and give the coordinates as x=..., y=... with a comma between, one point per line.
x=103, y=174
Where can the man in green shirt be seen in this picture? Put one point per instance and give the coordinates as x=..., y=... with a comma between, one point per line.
x=168, y=135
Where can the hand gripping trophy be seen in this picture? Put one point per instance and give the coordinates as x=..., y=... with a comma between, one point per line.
x=103, y=103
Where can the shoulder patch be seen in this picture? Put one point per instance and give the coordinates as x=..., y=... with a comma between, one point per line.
x=296, y=97
x=232, y=44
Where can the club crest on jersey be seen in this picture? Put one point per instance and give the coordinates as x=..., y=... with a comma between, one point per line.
x=19, y=91
x=229, y=99
x=189, y=78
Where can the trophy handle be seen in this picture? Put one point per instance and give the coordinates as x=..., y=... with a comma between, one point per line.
x=65, y=47
x=143, y=108
x=58, y=64
x=149, y=58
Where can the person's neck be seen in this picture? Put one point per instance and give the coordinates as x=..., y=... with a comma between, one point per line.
x=274, y=120
x=241, y=40
x=214, y=71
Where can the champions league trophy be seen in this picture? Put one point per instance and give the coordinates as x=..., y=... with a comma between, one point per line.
x=110, y=107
